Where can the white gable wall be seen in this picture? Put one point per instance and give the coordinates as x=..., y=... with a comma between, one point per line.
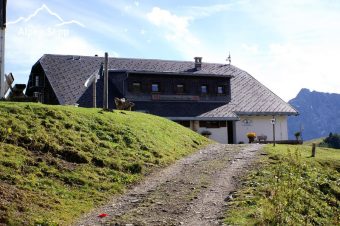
x=261, y=125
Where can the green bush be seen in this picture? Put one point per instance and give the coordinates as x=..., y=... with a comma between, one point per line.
x=332, y=141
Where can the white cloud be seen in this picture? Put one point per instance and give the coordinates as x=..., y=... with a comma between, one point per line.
x=253, y=49
x=175, y=30
x=299, y=49
x=176, y=25
x=208, y=10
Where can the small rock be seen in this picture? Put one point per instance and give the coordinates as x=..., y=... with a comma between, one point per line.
x=135, y=201
x=228, y=198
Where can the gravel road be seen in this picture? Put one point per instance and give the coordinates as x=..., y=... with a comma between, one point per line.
x=192, y=191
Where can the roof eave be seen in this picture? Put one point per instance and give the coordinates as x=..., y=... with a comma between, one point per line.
x=204, y=118
x=267, y=113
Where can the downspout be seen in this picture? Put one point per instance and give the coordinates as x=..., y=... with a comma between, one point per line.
x=124, y=90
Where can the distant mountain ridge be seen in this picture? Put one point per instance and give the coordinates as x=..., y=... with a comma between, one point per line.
x=319, y=114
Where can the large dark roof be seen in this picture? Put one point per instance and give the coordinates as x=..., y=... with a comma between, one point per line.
x=67, y=75
x=250, y=97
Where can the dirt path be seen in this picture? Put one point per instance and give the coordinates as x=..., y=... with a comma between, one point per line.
x=190, y=192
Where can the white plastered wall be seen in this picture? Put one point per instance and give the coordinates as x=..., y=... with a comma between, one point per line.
x=261, y=125
x=218, y=134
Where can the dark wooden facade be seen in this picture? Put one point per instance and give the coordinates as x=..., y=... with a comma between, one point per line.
x=38, y=86
x=176, y=87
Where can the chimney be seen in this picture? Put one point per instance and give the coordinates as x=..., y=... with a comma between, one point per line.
x=198, y=63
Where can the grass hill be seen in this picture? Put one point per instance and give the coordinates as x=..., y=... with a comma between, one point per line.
x=57, y=162
x=289, y=187
x=317, y=141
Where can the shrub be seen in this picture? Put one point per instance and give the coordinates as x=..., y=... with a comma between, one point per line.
x=251, y=135
x=297, y=135
x=134, y=168
x=332, y=141
x=206, y=133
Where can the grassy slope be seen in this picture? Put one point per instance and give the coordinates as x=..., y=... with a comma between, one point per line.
x=290, y=188
x=316, y=141
x=57, y=162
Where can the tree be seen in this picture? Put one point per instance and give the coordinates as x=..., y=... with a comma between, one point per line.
x=297, y=135
x=332, y=141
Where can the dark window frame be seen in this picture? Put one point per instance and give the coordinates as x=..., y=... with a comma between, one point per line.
x=212, y=124
x=206, y=89
x=134, y=86
x=185, y=123
x=158, y=87
x=180, y=90
x=36, y=80
x=223, y=90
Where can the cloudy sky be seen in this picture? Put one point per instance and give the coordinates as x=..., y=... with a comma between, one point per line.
x=286, y=45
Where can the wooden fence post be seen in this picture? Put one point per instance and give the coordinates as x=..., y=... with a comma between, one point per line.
x=313, y=150
x=106, y=85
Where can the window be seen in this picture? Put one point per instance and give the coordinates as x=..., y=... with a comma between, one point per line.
x=36, y=82
x=213, y=124
x=136, y=87
x=204, y=89
x=220, y=89
x=180, y=88
x=155, y=87
x=184, y=123
x=39, y=96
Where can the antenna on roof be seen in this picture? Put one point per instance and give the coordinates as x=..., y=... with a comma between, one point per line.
x=229, y=59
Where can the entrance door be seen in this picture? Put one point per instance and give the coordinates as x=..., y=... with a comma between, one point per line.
x=230, y=127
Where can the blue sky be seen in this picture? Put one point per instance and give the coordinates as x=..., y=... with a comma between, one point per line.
x=286, y=45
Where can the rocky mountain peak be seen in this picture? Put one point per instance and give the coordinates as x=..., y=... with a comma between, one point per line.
x=319, y=114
